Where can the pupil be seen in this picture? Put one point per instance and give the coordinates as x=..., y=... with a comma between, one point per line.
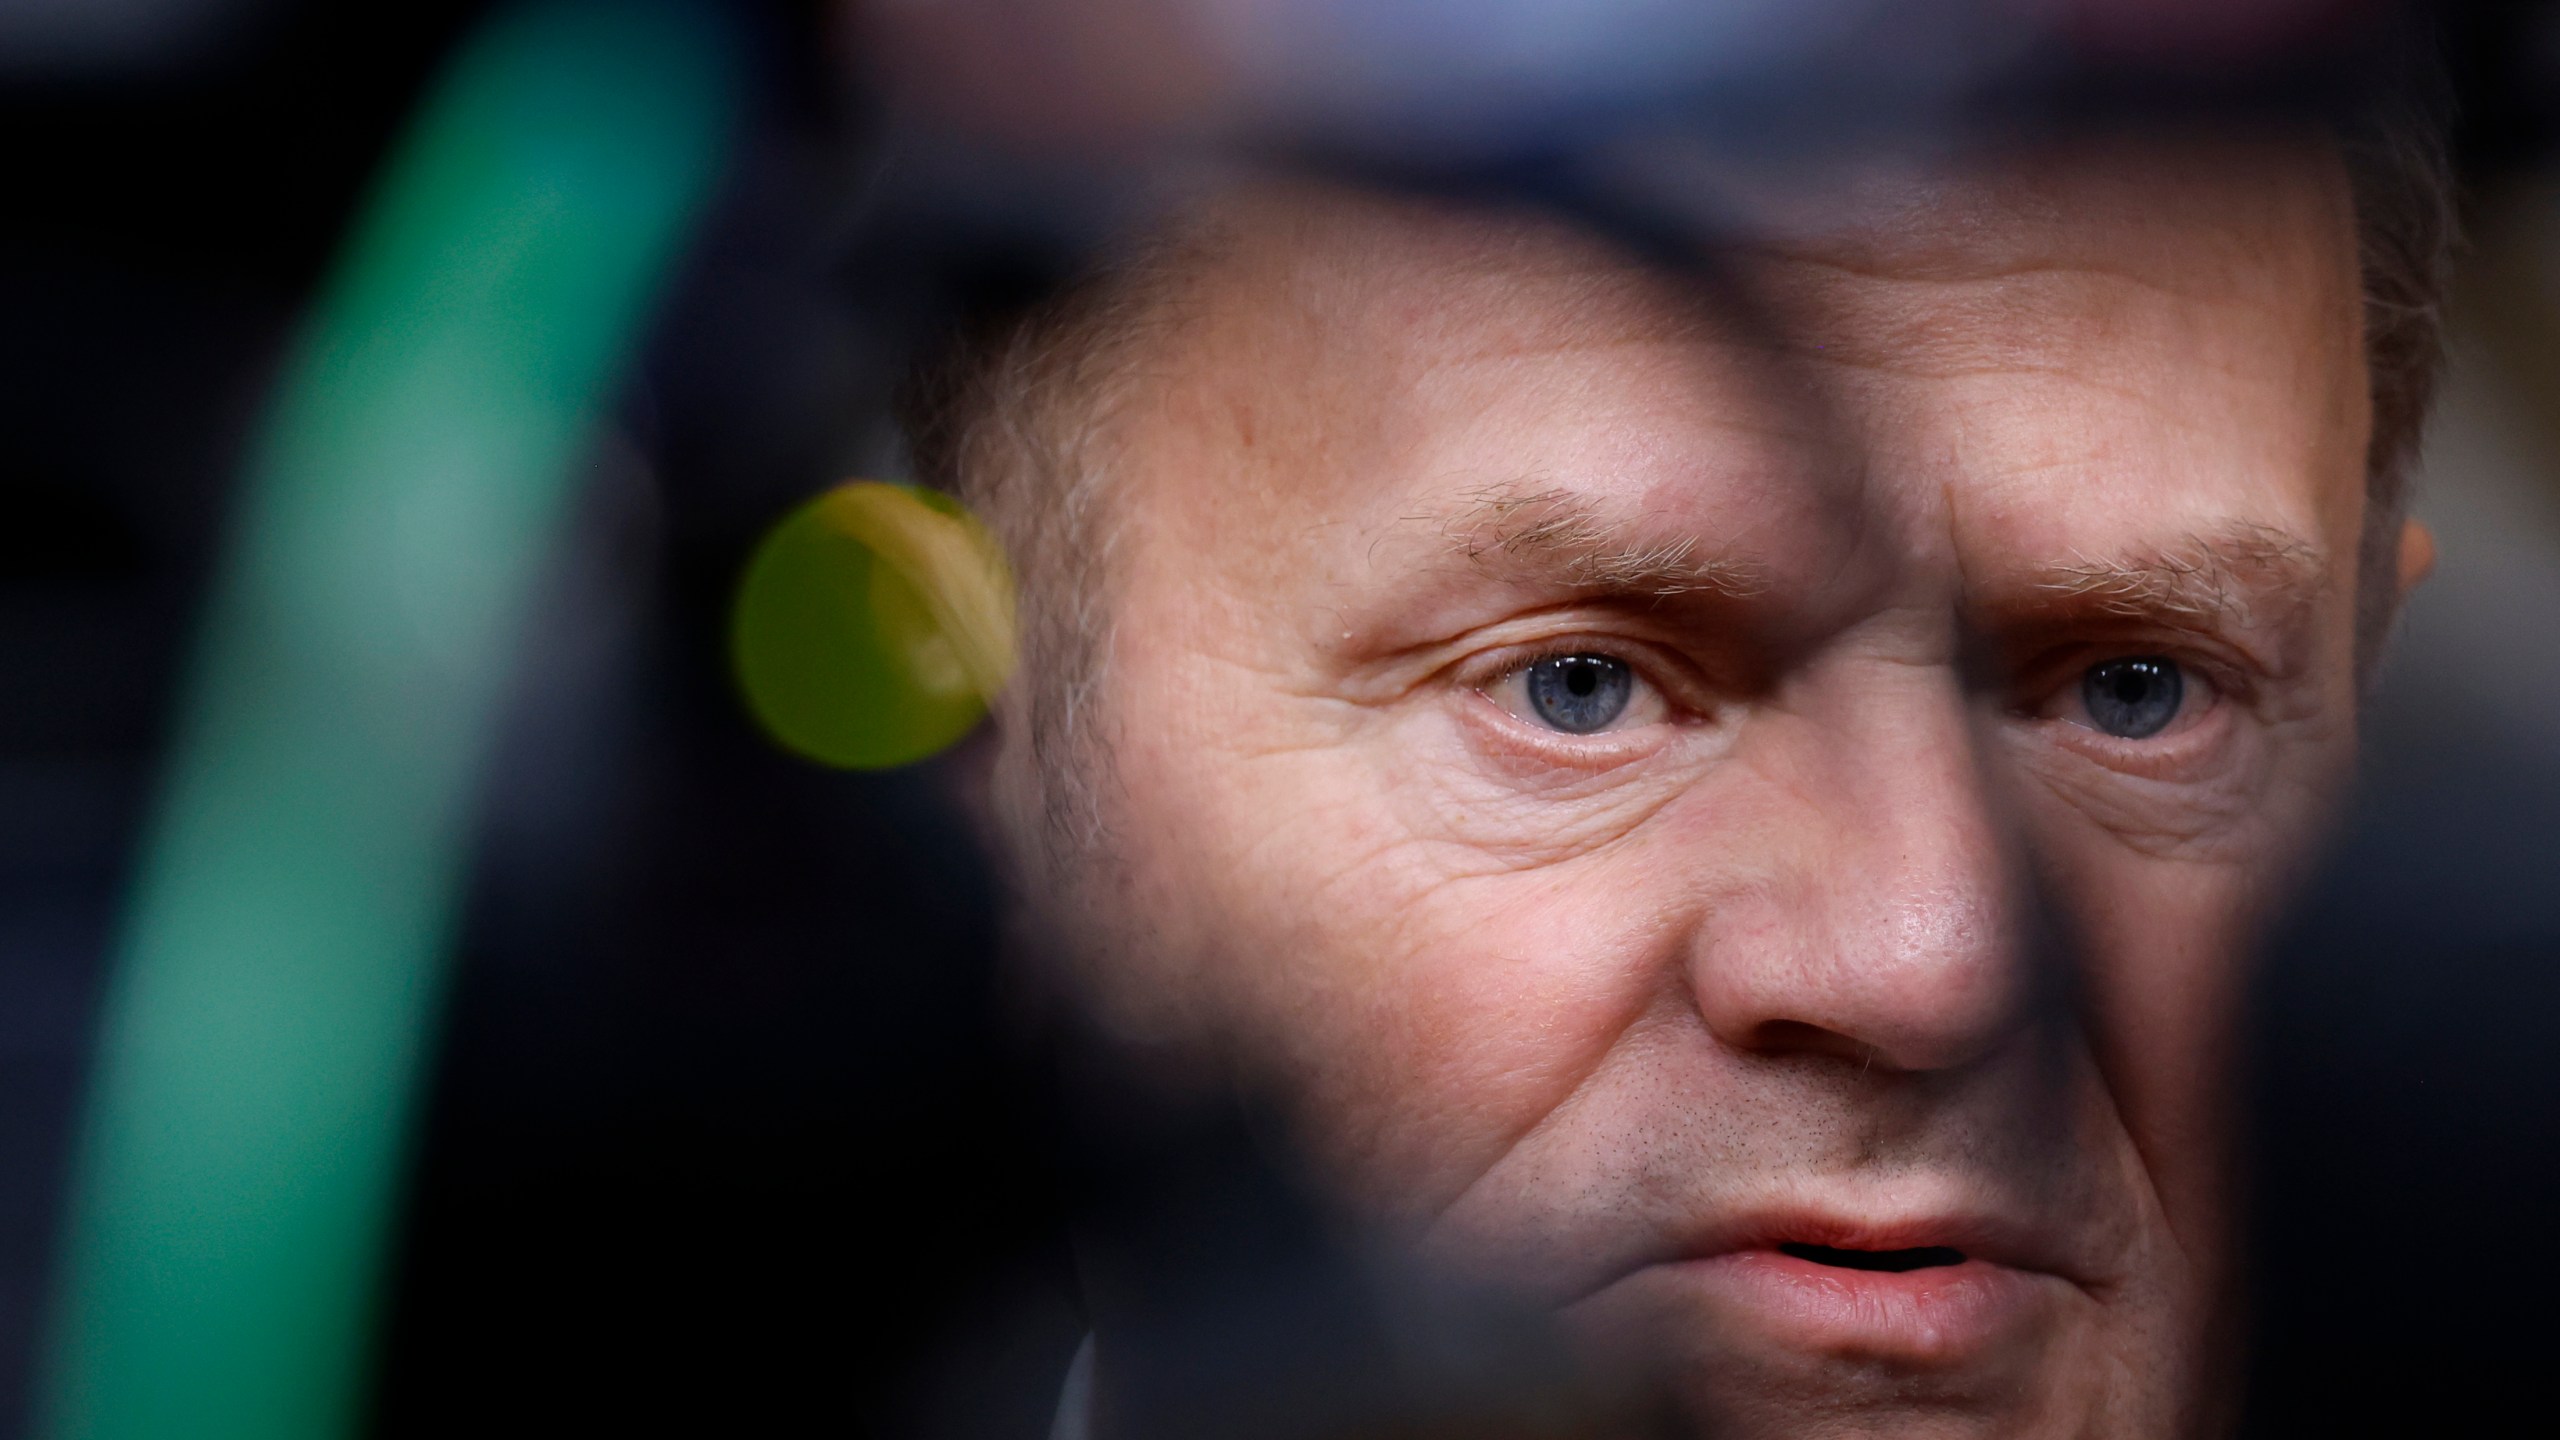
x=1579, y=694
x=2134, y=697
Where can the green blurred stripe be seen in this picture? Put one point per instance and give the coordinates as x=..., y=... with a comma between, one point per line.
x=265, y=1024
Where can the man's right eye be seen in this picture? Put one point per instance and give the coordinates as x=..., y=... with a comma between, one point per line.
x=1578, y=694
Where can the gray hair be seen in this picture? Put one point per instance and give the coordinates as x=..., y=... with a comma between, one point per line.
x=1019, y=423
x=2407, y=234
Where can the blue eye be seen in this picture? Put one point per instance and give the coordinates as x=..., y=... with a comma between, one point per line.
x=2135, y=697
x=1579, y=694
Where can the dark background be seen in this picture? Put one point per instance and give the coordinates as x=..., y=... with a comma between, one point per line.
x=726, y=1128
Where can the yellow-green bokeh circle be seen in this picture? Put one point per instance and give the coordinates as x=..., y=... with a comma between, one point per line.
x=839, y=656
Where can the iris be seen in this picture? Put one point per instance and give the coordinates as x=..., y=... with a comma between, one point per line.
x=1579, y=694
x=2134, y=697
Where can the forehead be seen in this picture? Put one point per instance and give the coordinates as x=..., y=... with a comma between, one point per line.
x=2026, y=353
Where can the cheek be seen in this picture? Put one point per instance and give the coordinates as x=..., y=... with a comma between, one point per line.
x=1493, y=999
x=1331, y=913
x=2163, y=949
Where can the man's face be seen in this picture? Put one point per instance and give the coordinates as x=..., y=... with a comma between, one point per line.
x=1743, y=813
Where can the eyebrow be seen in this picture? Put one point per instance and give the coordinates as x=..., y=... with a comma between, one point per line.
x=2240, y=576
x=1562, y=537
x=2236, y=579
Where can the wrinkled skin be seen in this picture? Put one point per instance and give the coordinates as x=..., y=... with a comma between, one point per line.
x=1856, y=928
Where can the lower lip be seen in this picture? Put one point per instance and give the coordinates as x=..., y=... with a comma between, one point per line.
x=1945, y=1314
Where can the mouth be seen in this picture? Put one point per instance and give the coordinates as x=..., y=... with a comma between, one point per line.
x=1930, y=1292
x=1890, y=1262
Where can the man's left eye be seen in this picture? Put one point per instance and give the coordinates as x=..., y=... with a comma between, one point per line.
x=2135, y=697
x=1578, y=694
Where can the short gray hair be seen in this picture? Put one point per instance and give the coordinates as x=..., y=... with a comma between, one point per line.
x=1018, y=421
x=2407, y=234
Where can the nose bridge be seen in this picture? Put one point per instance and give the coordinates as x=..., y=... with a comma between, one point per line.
x=1894, y=938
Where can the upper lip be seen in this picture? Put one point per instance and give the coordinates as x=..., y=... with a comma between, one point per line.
x=1980, y=1235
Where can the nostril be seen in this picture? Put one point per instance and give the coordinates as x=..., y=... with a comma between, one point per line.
x=1795, y=1037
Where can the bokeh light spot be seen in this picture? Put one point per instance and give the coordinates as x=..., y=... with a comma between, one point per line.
x=873, y=626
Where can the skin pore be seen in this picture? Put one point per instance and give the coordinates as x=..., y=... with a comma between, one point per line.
x=1691, y=797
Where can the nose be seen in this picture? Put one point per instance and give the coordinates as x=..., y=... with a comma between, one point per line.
x=1877, y=918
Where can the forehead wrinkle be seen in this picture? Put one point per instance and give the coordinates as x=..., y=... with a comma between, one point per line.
x=1913, y=365
x=1596, y=341
x=1993, y=276
x=1562, y=535
x=1956, y=331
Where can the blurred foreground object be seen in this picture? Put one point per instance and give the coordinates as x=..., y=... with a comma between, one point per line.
x=1442, y=82
x=874, y=626
x=281, y=959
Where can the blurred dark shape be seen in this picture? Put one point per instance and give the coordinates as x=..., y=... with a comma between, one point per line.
x=43, y=40
x=733, y=1126
x=1447, y=81
x=1243, y=1306
x=2408, y=1106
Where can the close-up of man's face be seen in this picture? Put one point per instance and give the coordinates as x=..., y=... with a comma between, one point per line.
x=1282, y=720
x=1737, y=803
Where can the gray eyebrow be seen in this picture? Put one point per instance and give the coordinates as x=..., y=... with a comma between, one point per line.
x=1560, y=535
x=2227, y=576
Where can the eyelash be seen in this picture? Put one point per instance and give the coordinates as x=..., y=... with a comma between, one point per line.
x=1485, y=674
x=2191, y=748
x=2055, y=674
x=1681, y=697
